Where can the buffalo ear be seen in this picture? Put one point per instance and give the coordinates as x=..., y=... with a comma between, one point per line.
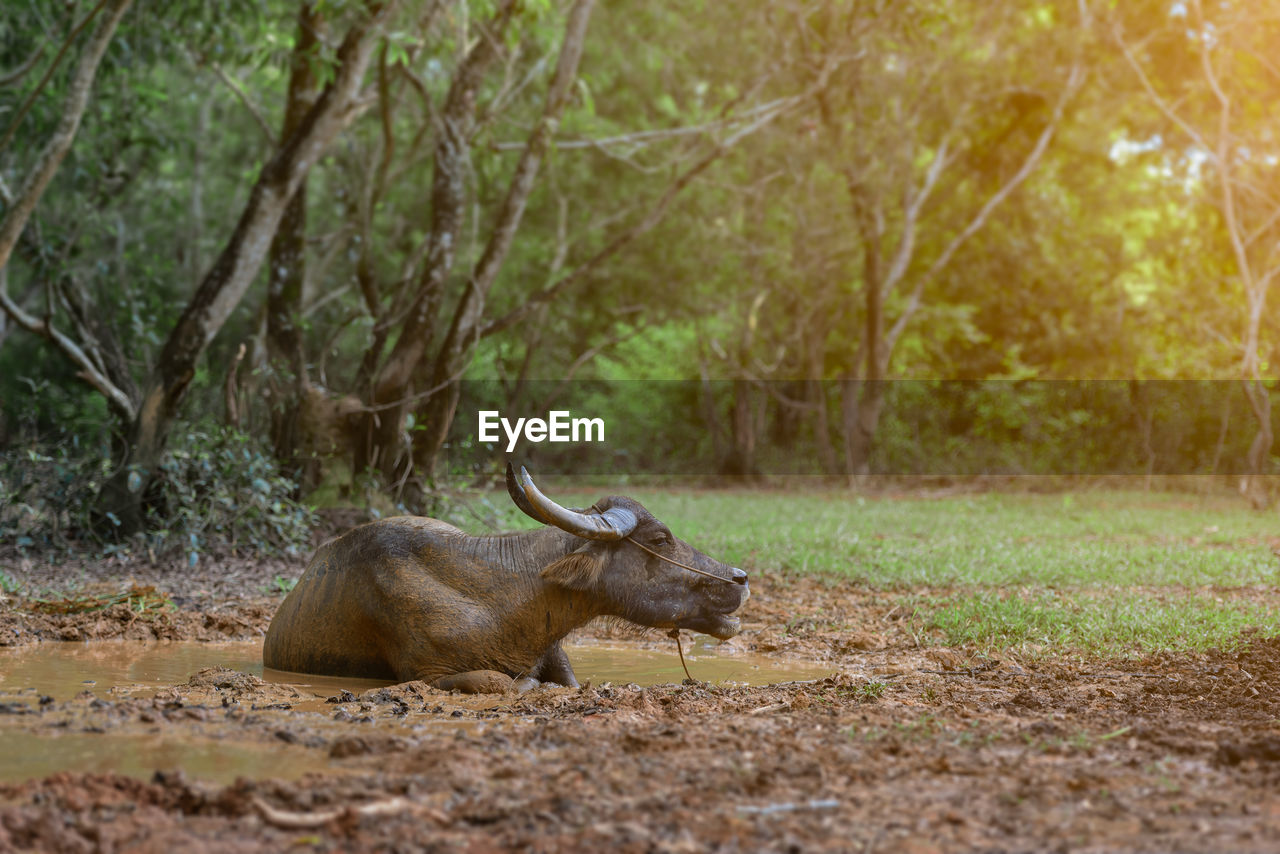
x=580, y=570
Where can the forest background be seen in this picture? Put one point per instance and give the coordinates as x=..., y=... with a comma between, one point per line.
x=261, y=256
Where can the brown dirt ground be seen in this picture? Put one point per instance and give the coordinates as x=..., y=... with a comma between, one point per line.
x=908, y=748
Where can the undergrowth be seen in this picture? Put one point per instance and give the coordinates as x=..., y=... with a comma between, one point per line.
x=218, y=490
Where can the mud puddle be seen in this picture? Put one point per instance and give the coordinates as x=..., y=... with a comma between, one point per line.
x=112, y=706
x=62, y=670
x=31, y=756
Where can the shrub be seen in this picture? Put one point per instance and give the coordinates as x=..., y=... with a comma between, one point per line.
x=218, y=489
x=45, y=493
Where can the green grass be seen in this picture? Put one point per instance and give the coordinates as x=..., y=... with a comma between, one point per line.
x=1103, y=572
x=1109, y=623
x=1114, y=538
x=281, y=584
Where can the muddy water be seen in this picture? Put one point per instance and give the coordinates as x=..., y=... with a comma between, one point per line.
x=32, y=747
x=61, y=670
x=622, y=664
x=140, y=755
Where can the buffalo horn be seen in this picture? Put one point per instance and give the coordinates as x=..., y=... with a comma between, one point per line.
x=613, y=524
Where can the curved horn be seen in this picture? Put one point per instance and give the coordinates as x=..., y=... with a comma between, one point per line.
x=612, y=524
x=517, y=494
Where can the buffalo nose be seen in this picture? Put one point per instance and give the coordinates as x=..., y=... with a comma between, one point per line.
x=739, y=576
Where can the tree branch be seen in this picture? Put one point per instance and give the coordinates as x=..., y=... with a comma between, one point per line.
x=1074, y=80
x=1156, y=98
x=464, y=331
x=452, y=151
x=53, y=66
x=11, y=77
x=88, y=371
x=242, y=256
x=652, y=218
x=244, y=99
x=60, y=141
x=911, y=217
x=641, y=138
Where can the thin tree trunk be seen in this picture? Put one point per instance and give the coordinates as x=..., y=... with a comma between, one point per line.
x=817, y=395
x=742, y=453
x=286, y=268
x=195, y=233
x=225, y=284
x=380, y=445
x=863, y=398
x=864, y=404
x=1253, y=485
x=465, y=329
x=707, y=404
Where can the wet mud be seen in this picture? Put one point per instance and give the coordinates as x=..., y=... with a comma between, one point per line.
x=874, y=743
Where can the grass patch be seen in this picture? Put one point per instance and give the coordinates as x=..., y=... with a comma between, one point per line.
x=1104, y=623
x=1107, y=572
x=281, y=584
x=1120, y=538
x=140, y=600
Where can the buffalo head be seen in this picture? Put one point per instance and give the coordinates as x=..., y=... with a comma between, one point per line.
x=636, y=565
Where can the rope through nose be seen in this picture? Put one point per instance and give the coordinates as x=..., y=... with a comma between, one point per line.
x=682, y=565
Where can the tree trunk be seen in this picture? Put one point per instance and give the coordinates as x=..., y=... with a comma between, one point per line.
x=286, y=272
x=1253, y=485
x=195, y=226
x=466, y=326
x=59, y=143
x=741, y=461
x=380, y=445
x=708, y=408
x=862, y=405
x=815, y=359
x=862, y=401
x=223, y=287
x=817, y=396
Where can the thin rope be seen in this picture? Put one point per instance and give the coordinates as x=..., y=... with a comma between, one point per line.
x=675, y=633
x=681, y=565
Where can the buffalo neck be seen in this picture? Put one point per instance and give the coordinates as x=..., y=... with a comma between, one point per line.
x=537, y=606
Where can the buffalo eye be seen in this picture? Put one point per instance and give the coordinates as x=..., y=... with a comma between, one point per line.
x=661, y=539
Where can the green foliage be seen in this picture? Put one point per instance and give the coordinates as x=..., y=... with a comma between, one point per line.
x=1110, y=261
x=144, y=601
x=281, y=584
x=872, y=690
x=45, y=493
x=219, y=490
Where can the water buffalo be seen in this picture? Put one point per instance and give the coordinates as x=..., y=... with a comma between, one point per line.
x=416, y=598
